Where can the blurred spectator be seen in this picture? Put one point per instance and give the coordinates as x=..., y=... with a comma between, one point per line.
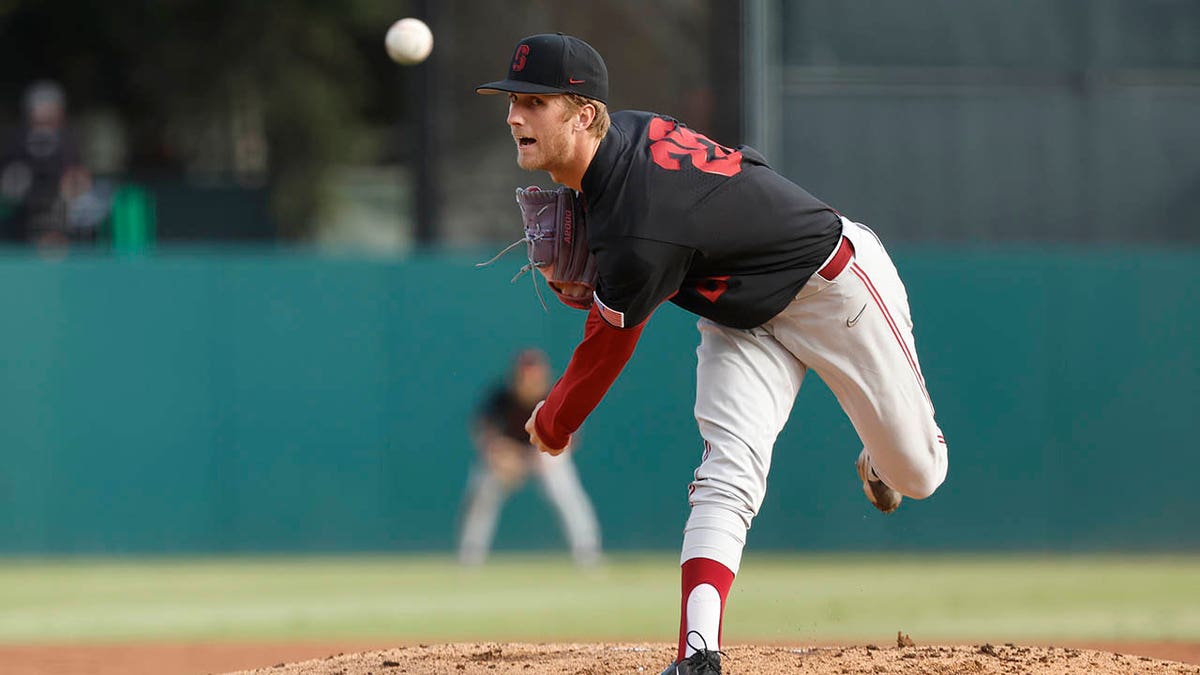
x=504, y=460
x=42, y=175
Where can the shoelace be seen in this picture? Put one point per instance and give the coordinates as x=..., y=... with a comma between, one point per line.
x=703, y=660
x=524, y=268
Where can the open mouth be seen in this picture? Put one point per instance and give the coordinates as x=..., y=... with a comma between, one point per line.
x=525, y=141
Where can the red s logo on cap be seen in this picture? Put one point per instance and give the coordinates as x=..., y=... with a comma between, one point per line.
x=518, y=63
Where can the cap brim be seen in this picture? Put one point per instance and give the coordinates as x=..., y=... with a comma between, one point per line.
x=517, y=87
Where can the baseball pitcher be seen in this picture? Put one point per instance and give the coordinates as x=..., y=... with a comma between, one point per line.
x=782, y=283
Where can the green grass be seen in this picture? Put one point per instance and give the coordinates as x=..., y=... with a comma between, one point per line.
x=793, y=599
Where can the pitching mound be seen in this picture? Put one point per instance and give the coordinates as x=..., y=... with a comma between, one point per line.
x=603, y=659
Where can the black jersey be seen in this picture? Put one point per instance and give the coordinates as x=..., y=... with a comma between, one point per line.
x=673, y=215
x=505, y=413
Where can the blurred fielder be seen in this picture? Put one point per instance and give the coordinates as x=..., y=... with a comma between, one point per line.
x=505, y=459
x=782, y=283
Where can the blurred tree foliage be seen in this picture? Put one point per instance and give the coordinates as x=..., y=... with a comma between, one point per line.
x=182, y=75
x=217, y=90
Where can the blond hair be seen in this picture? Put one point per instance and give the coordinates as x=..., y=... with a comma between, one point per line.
x=599, y=125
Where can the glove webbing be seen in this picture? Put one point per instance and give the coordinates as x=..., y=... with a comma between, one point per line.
x=524, y=268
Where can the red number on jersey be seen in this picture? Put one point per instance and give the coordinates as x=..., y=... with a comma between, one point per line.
x=672, y=142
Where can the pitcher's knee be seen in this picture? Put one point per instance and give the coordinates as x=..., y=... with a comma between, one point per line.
x=920, y=488
x=921, y=479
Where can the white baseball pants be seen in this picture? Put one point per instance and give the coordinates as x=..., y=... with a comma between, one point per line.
x=487, y=492
x=855, y=331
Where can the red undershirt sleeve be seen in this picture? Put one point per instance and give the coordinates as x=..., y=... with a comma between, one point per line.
x=595, y=365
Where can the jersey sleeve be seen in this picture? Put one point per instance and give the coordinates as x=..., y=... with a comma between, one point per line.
x=636, y=276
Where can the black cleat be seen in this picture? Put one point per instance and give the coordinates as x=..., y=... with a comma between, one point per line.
x=701, y=662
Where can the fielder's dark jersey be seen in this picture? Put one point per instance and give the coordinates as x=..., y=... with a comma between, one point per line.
x=506, y=414
x=672, y=215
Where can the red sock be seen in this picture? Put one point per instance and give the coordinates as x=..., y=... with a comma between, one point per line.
x=696, y=572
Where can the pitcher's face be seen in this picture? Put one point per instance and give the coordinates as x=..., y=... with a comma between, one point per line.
x=541, y=127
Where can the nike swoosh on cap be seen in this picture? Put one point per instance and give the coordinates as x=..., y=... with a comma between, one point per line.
x=572, y=80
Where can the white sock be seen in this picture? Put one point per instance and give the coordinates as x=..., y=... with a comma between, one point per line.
x=704, y=617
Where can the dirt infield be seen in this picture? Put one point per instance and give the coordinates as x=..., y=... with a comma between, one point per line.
x=601, y=659
x=357, y=658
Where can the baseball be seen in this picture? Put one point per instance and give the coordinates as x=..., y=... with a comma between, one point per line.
x=409, y=41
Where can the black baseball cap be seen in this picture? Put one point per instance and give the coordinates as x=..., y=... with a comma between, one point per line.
x=553, y=63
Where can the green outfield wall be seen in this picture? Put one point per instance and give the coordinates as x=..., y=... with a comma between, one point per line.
x=287, y=401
